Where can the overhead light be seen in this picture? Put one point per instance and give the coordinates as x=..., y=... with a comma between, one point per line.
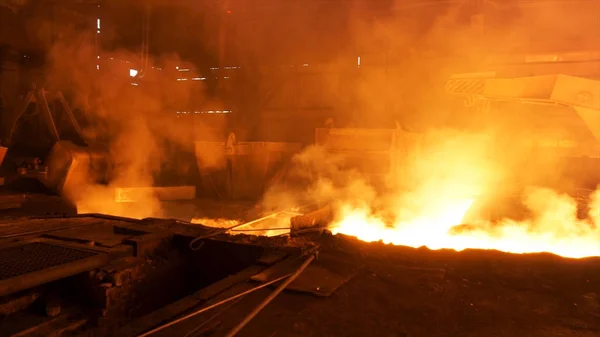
x=133, y=72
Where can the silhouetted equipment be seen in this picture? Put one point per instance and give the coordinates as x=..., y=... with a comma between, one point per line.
x=575, y=94
x=380, y=155
x=242, y=170
x=555, y=99
x=319, y=218
x=43, y=109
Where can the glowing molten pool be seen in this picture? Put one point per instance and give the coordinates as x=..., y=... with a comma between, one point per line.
x=554, y=227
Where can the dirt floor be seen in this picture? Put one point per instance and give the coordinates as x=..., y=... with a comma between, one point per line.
x=400, y=291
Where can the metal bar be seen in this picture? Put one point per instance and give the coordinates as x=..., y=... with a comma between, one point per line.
x=227, y=229
x=46, y=230
x=188, y=303
x=42, y=104
x=30, y=280
x=195, y=313
x=70, y=115
x=271, y=297
x=162, y=193
x=210, y=319
x=262, y=229
x=29, y=98
x=196, y=331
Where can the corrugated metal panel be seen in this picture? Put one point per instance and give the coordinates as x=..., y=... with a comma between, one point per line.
x=466, y=86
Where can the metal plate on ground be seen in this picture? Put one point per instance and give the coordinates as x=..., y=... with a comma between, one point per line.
x=99, y=234
x=323, y=277
x=30, y=264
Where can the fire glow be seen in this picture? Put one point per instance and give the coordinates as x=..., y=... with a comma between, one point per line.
x=435, y=200
x=554, y=227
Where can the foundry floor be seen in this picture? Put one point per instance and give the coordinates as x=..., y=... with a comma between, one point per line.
x=400, y=291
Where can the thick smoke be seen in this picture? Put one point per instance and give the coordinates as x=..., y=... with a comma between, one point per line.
x=136, y=126
x=459, y=154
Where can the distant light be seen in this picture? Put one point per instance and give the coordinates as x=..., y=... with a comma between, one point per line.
x=228, y=11
x=98, y=32
x=358, y=61
x=305, y=65
x=98, y=57
x=98, y=23
x=204, y=112
x=177, y=67
x=542, y=58
x=133, y=72
x=198, y=78
x=97, y=67
x=183, y=69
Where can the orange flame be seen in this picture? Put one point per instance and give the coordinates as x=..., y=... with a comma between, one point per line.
x=554, y=227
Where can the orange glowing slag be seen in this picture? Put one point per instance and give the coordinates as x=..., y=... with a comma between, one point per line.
x=553, y=227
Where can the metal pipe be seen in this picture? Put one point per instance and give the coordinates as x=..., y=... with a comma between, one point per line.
x=262, y=229
x=193, y=245
x=211, y=318
x=195, y=313
x=271, y=297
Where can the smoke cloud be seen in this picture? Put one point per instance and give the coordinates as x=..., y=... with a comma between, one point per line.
x=405, y=51
x=459, y=155
x=133, y=121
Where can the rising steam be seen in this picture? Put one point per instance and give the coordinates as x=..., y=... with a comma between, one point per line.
x=431, y=196
x=136, y=127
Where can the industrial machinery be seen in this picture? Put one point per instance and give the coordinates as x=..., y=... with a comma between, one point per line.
x=380, y=155
x=69, y=160
x=242, y=170
x=555, y=101
x=46, y=112
x=369, y=151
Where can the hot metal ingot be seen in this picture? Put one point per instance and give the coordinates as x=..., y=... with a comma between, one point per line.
x=164, y=193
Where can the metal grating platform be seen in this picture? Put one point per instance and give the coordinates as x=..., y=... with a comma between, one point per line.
x=30, y=264
x=36, y=256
